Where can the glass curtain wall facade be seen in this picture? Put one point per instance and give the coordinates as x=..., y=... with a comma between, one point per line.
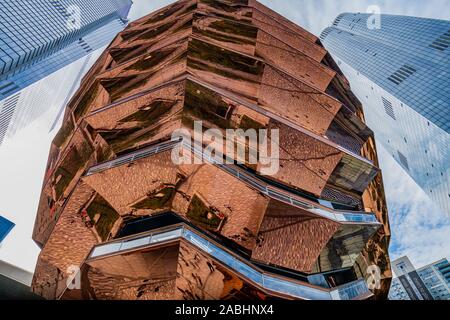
x=38, y=38
x=400, y=72
x=436, y=277
x=45, y=99
x=431, y=282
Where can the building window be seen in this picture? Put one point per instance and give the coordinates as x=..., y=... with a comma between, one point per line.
x=403, y=160
x=442, y=42
x=402, y=74
x=389, y=109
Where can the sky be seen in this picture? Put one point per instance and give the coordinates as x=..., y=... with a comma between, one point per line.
x=419, y=230
x=316, y=15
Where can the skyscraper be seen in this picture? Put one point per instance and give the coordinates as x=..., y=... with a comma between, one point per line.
x=123, y=219
x=5, y=227
x=48, y=95
x=400, y=71
x=38, y=38
x=431, y=282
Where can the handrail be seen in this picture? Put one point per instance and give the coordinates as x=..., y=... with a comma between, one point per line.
x=268, y=281
x=270, y=191
x=137, y=155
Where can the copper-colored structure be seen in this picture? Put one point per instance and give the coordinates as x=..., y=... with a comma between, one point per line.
x=137, y=226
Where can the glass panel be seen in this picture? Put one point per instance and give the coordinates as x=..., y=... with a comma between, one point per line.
x=106, y=249
x=166, y=236
x=248, y=272
x=277, y=195
x=326, y=214
x=325, y=203
x=197, y=240
x=221, y=255
x=301, y=203
x=252, y=182
x=353, y=290
x=135, y=243
x=295, y=290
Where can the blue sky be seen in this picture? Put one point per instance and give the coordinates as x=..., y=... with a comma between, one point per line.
x=419, y=229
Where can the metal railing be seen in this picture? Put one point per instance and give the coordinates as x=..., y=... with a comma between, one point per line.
x=268, y=281
x=249, y=179
x=137, y=155
x=274, y=193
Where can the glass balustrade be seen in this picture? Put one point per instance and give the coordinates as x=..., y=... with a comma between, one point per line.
x=247, y=270
x=248, y=179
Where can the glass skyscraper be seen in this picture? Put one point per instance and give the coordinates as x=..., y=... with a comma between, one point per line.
x=400, y=71
x=39, y=37
x=431, y=282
